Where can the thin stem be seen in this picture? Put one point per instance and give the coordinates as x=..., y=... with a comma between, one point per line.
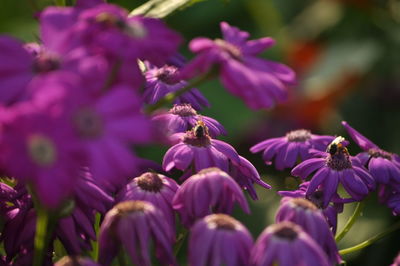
x=180, y=240
x=44, y=230
x=357, y=212
x=170, y=97
x=370, y=241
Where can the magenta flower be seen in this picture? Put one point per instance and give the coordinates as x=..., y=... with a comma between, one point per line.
x=259, y=82
x=333, y=167
x=219, y=239
x=183, y=117
x=134, y=225
x=304, y=213
x=210, y=190
x=383, y=166
x=288, y=149
x=154, y=188
x=330, y=212
x=16, y=70
x=286, y=244
x=197, y=150
x=164, y=80
x=75, y=261
x=38, y=147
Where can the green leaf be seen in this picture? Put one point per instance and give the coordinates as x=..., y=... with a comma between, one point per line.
x=162, y=8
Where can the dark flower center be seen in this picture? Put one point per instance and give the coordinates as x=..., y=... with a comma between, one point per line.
x=374, y=152
x=285, y=230
x=339, y=161
x=46, y=62
x=317, y=198
x=198, y=136
x=304, y=204
x=88, y=123
x=222, y=222
x=42, y=150
x=231, y=49
x=183, y=110
x=168, y=74
x=150, y=182
x=300, y=135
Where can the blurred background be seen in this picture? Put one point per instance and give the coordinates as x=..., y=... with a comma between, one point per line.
x=347, y=57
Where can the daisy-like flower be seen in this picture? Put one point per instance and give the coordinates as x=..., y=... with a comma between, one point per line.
x=330, y=212
x=197, y=150
x=182, y=117
x=334, y=166
x=134, y=225
x=155, y=188
x=75, y=261
x=164, y=80
x=383, y=166
x=286, y=244
x=304, y=213
x=219, y=239
x=210, y=190
x=259, y=82
x=288, y=149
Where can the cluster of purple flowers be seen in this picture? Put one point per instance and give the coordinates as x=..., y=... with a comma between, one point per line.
x=72, y=110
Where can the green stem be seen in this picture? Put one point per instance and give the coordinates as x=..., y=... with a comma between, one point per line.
x=170, y=97
x=357, y=212
x=370, y=241
x=121, y=258
x=44, y=228
x=180, y=240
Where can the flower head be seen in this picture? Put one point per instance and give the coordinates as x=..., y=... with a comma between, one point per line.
x=304, y=213
x=210, y=190
x=288, y=149
x=334, y=166
x=182, y=117
x=134, y=224
x=259, y=82
x=154, y=188
x=164, y=80
x=219, y=239
x=383, y=166
x=286, y=244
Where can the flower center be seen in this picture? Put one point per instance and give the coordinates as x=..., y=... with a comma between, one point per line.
x=303, y=203
x=231, y=49
x=167, y=74
x=300, y=135
x=285, y=230
x=221, y=221
x=42, y=150
x=133, y=206
x=183, y=110
x=150, y=182
x=110, y=20
x=379, y=153
x=317, y=198
x=198, y=136
x=88, y=123
x=45, y=62
x=339, y=161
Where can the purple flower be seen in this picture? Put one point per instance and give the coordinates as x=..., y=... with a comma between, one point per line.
x=197, y=150
x=259, y=82
x=396, y=261
x=134, y=225
x=336, y=165
x=330, y=212
x=183, y=117
x=154, y=188
x=75, y=261
x=286, y=244
x=304, y=213
x=164, y=80
x=288, y=149
x=210, y=190
x=383, y=166
x=219, y=239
